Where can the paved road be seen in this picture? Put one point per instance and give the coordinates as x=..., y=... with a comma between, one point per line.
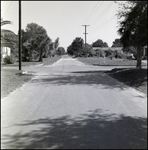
x=72, y=105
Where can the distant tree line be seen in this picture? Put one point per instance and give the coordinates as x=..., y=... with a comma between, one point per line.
x=78, y=47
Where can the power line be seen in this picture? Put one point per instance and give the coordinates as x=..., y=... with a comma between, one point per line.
x=90, y=15
x=97, y=19
x=102, y=25
x=93, y=12
x=100, y=15
x=7, y=9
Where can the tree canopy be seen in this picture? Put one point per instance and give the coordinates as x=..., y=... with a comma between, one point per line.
x=133, y=27
x=35, y=39
x=117, y=43
x=7, y=35
x=56, y=43
x=77, y=47
x=99, y=43
x=60, y=51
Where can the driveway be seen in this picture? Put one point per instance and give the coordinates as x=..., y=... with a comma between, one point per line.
x=70, y=105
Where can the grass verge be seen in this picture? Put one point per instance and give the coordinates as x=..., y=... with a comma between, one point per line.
x=107, y=61
x=136, y=78
x=11, y=78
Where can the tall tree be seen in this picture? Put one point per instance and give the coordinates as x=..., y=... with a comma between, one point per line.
x=56, y=43
x=133, y=27
x=9, y=38
x=8, y=35
x=46, y=47
x=70, y=51
x=36, y=39
x=60, y=51
x=99, y=43
x=78, y=46
x=117, y=43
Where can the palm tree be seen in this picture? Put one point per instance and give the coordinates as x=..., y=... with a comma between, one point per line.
x=8, y=37
x=5, y=22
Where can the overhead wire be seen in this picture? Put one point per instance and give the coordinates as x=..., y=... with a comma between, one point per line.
x=8, y=8
x=100, y=15
x=102, y=25
x=91, y=14
x=97, y=19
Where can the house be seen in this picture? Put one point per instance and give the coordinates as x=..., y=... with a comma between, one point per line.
x=8, y=43
x=5, y=48
x=103, y=50
x=132, y=51
x=108, y=48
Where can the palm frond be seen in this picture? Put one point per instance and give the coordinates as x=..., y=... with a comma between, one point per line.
x=5, y=22
x=8, y=34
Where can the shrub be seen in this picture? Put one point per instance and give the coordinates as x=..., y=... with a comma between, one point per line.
x=9, y=60
x=92, y=53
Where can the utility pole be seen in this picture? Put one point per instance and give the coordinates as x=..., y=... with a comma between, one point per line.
x=85, y=37
x=20, y=36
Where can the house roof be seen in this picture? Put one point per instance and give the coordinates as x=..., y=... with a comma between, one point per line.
x=107, y=48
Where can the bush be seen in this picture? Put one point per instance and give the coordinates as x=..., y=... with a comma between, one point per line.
x=92, y=53
x=9, y=60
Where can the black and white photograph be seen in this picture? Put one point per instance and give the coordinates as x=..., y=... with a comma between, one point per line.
x=73, y=74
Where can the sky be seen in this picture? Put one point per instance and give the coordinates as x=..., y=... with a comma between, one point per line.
x=65, y=19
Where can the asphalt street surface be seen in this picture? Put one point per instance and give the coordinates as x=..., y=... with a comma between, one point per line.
x=70, y=105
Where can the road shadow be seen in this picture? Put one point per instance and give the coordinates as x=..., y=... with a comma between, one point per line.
x=81, y=78
x=90, y=131
x=134, y=77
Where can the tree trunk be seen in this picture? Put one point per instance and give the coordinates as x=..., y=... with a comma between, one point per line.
x=139, y=57
x=41, y=57
x=104, y=59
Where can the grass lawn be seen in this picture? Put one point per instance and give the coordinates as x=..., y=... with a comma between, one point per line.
x=107, y=61
x=48, y=61
x=136, y=78
x=10, y=80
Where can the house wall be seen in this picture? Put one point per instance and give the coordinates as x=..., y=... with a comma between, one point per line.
x=6, y=51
